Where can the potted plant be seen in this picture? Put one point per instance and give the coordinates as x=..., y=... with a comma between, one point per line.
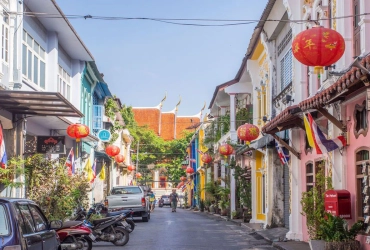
x=313, y=208
x=223, y=205
x=336, y=234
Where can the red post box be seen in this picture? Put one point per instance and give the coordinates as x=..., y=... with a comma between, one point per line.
x=338, y=203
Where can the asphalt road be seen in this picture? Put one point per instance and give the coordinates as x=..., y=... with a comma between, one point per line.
x=187, y=230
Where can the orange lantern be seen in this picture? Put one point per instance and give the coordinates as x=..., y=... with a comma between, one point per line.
x=226, y=149
x=182, y=178
x=138, y=175
x=130, y=168
x=318, y=47
x=206, y=158
x=78, y=131
x=112, y=150
x=119, y=158
x=248, y=132
x=189, y=170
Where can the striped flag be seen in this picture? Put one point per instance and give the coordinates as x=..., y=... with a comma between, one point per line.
x=283, y=155
x=183, y=187
x=200, y=152
x=3, y=156
x=192, y=160
x=70, y=162
x=317, y=139
x=93, y=172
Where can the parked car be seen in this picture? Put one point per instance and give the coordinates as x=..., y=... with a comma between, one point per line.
x=23, y=226
x=166, y=200
x=129, y=197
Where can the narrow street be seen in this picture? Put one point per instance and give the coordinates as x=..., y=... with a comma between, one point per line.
x=188, y=230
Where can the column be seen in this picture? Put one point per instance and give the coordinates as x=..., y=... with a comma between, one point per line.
x=52, y=63
x=215, y=171
x=223, y=112
x=156, y=178
x=233, y=140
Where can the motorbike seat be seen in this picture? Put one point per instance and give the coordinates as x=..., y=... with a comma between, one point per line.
x=96, y=222
x=118, y=213
x=72, y=223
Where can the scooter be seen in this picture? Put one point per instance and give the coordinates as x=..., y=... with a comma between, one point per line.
x=98, y=208
x=74, y=235
x=107, y=229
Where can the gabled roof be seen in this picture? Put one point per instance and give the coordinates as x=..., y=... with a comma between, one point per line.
x=252, y=44
x=67, y=35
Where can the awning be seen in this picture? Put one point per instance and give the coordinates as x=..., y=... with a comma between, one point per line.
x=288, y=118
x=37, y=103
x=99, y=154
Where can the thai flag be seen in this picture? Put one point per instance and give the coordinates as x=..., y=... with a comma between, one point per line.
x=70, y=162
x=94, y=172
x=3, y=157
x=283, y=154
x=192, y=160
x=183, y=187
x=322, y=144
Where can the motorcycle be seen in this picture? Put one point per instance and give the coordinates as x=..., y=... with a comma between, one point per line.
x=98, y=208
x=108, y=229
x=74, y=235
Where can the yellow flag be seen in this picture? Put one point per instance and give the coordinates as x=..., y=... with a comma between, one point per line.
x=102, y=173
x=308, y=132
x=88, y=170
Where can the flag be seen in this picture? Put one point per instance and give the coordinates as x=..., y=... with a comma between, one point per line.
x=283, y=154
x=192, y=160
x=89, y=171
x=3, y=157
x=321, y=144
x=102, y=173
x=93, y=172
x=200, y=152
x=70, y=162
x=310, y=139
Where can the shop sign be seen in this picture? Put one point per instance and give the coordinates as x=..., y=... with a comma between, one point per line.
x=104, y=135
x=51, y=144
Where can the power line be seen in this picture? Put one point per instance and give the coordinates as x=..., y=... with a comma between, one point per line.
x=178, y=21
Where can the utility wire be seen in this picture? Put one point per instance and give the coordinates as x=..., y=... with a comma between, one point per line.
x=178, y=21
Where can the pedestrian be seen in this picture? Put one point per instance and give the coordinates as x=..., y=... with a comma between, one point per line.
x=151, y=199
x=174, y=198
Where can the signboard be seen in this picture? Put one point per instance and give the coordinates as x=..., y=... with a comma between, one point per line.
x=104, y=135
x=50, y=144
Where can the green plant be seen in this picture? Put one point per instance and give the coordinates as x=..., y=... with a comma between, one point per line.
x=335, y=229
x=201, y=205
x=8, y=176
x=234, y=214
x=186, y=199
x=243, y=186
x=216, y=130
x=313, y=203
x=222, y=204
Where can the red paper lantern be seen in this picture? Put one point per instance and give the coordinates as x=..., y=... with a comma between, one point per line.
x=182, y=178
x=119, y=158
x=78, y=131
x=112, y=150
x=318, y=47
x=130, y=168
x=225, y=149
x=138, y=175
x=206, y=158
x=248, y=132
x=189, y=170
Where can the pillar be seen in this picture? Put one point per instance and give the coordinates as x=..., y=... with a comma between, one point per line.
x=233, y=140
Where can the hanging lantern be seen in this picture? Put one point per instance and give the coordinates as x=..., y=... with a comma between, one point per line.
x=206, y=158
x=112, y=150
x=225, y=149
x=78, y=131
x=318, y=47
x=138, y=175
x=119, y=158
x=182, y=178
x=130, y=168
x=248, y=132
x=189, y=170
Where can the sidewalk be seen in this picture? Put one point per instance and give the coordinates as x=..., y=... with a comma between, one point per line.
x=276, y=236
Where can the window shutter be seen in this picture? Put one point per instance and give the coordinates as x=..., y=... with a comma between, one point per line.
x=98, y=111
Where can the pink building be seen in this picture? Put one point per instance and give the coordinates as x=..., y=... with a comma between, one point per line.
x=339, y=101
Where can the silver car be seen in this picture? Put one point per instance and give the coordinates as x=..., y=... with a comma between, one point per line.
x=166, y=200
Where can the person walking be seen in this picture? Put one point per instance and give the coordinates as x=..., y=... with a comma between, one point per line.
x=151, y=200
x=174, y=198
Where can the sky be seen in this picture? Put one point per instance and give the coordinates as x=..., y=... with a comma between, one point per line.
x=143, y=60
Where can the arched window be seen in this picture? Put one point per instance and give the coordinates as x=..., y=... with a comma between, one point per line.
x=309, y=176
